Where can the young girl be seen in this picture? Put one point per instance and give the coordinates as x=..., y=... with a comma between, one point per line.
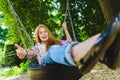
x=83, y=55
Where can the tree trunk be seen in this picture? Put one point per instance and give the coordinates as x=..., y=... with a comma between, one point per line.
x=110, y=9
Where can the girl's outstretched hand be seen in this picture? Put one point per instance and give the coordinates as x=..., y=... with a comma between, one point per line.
x=20, y=52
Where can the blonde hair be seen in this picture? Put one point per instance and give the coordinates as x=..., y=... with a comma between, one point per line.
x=51, y=41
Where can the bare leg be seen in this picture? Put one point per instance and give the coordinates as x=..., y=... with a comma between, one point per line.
x=87, y=53
x=80, y=50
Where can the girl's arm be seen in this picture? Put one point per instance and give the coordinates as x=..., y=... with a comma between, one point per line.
x=68, y=37
x=21, y=53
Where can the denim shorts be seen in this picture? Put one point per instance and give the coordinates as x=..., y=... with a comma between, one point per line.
x=60, y=54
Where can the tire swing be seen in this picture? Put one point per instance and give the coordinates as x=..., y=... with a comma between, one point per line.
x=52, y=72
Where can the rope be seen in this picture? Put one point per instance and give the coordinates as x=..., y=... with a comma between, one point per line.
x=10, y=55
x=20, y=23
x=75, y=39
x=64, y=21
x=66, y=11
x=71, y=23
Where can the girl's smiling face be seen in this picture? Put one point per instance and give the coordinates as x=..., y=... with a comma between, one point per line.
x=43, y=35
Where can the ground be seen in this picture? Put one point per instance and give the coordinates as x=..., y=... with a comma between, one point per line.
x=102, y=72
x=99, y=72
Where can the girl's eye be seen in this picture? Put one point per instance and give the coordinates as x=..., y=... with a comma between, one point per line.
x=45, y=31
x=40, y=33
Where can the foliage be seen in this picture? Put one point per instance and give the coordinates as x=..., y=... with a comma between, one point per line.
x=87, y=20
x=51, y=13
x=10, y=59
x=14, y=70
x=3, y=31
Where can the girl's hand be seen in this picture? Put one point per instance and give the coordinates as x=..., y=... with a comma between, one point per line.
x=68, y=37
x=20, y=52
x=64, y=25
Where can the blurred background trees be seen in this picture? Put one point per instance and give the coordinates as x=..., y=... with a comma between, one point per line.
x=17, y=25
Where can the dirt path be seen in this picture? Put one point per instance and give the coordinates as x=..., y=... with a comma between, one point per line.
x=99, y=72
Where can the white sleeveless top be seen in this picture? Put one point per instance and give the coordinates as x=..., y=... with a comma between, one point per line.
x=40, y=51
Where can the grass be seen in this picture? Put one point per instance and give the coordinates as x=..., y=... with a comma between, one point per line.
x=14, y=71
